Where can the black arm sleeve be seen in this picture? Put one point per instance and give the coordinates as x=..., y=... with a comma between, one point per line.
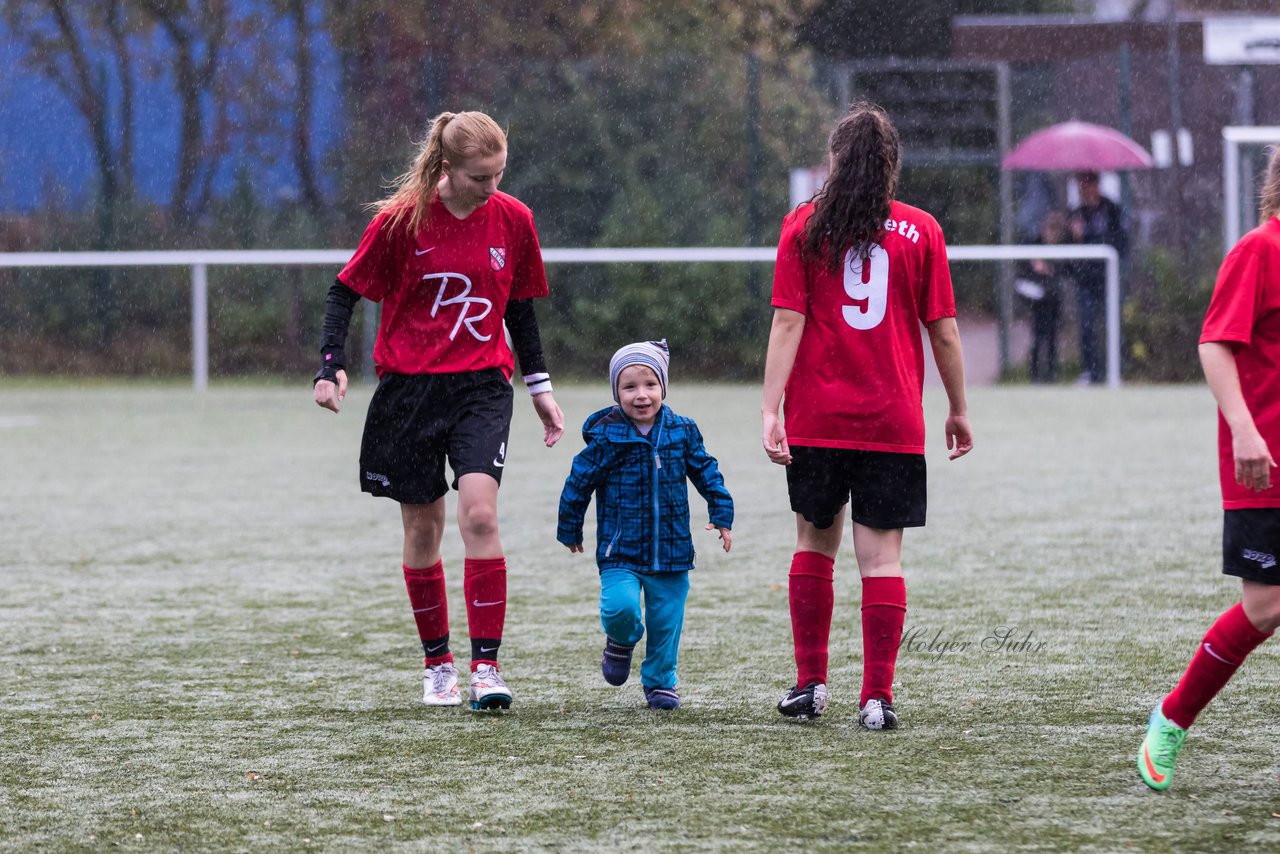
x=522, y=323
x=338, y=305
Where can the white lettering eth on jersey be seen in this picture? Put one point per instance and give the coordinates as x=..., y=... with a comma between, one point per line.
x=901, y=226
x=465, y=300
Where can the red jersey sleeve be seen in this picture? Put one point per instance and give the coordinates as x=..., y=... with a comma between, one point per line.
x=937, y=298
x=373, y=270
x=1236, y=299
x=790, y=282
x=529, y=279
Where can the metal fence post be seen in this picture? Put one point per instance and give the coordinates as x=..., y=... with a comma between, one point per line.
x=1113, y=318
x=200, y=326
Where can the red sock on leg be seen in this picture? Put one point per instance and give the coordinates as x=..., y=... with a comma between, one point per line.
x=811, y=593
x=884, y=608
x=485, y=584
x=1224, y=648
x=430, y=609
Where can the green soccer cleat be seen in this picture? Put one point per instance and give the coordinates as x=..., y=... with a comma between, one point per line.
x=1159, y=751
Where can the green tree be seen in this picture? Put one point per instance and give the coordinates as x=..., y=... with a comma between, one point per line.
x=627, y=127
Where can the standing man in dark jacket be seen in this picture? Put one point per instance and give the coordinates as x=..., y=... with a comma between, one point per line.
x=1096, y=220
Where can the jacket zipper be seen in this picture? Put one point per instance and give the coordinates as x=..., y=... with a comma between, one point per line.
x=657, y=467
x=618, y=533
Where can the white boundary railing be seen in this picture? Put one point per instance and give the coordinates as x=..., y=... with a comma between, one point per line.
x=1232, y=138
x=200, y=260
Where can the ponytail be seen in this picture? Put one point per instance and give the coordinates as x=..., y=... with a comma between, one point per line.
x=1270, y=204
x=851, y=208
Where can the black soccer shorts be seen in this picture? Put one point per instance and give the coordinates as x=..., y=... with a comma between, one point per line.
x=1250, y=543
x=883, y=490
x=415, y=421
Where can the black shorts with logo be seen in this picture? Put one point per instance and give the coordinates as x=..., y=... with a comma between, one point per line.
x=883, y=489
x=416, y=420
x=1250, y=543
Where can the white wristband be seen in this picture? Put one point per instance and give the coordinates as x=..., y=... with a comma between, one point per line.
x=538, y=383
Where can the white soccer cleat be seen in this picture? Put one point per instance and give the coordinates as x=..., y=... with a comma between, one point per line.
x=488, y=690
x=440, y=686
x=878, y=714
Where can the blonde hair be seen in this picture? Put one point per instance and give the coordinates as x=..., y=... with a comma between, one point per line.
x=453, y=137
x=1270, y=205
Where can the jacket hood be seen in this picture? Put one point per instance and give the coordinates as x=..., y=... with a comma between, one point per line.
x=612, y=423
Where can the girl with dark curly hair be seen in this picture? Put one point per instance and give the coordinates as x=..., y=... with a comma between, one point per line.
x=856, y=275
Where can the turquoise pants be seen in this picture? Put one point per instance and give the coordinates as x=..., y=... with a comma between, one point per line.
x=663, y=615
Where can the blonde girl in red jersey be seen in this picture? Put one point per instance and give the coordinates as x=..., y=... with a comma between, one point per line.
x=452, y=260
x=856, y=275
x=1240, y=354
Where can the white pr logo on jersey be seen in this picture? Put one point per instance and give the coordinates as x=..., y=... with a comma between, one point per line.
x=462, y=299
x=866, y=280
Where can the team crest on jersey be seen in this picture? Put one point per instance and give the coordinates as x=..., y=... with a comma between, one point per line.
x=497, y=257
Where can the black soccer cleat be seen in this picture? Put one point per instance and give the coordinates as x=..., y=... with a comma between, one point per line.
x=805, y=703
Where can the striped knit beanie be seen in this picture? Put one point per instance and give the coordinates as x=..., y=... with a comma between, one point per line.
x=651, y=354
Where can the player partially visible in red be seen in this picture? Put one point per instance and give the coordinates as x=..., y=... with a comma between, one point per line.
x=1240, y=354
x=450, y=258
x=856, y=275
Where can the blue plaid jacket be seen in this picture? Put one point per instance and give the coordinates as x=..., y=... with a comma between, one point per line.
x=642, y=501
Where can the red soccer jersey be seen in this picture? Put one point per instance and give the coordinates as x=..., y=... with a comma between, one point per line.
x=444, y=291
x=1245, y=312
x=858, y=377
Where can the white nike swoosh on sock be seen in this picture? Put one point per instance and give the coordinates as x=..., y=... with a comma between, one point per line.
x=480, y=604
x=1209, y=649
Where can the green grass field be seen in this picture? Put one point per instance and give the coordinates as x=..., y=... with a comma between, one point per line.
x=205, y=644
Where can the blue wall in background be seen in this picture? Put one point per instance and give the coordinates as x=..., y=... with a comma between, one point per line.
x=46, y=155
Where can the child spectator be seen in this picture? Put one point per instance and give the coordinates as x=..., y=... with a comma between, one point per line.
x=638, y=456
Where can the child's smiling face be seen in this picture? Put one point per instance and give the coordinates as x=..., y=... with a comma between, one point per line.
x=639, y=394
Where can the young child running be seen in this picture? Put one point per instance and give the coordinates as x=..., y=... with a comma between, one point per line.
x=637, y=458
x=1239, y=351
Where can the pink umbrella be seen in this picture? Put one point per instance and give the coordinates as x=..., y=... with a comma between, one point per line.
x=1077, y=147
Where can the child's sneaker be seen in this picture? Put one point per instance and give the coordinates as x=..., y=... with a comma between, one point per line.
x=488, y=691
x=662, y=699
x=1160, y=749
x=878, y=714
x=440, y=686
x=804, y=703
x=615, y=664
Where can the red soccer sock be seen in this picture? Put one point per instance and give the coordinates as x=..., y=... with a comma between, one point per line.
x=430, y=611
x=1226, y=645
x=811, y=592
x=485, y=584
x=884, y=607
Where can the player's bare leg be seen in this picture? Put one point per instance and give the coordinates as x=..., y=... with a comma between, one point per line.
x=423, y=532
